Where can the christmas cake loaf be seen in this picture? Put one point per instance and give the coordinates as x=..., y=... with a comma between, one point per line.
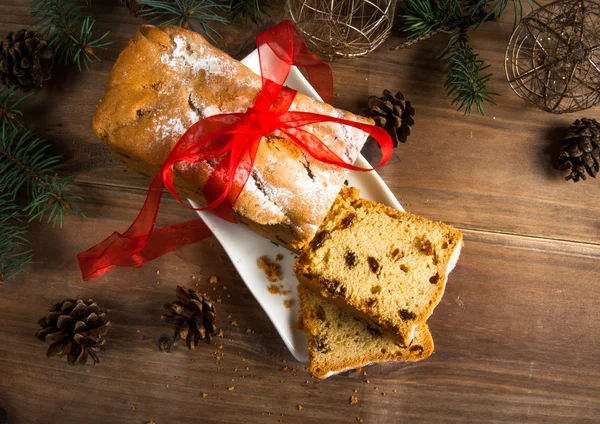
x=338, y=341
x=167, y=78
x=383, y=265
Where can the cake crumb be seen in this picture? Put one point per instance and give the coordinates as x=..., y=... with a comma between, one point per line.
x=158, y=272
x=384, y=394
x=234, y=323
x=288, y=303
x=231, y=388
x=395, y=391
x=299, y=407
x=368, y=381
x=353, y=399
x=364, y=373
x=271, y=269
x=213, y=279
x=204, y=394
x=277, y=289
x=279, y=257
x=359, y=419
x=355, y=390
x=220, y=333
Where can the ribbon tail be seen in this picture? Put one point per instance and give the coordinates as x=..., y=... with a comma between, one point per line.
x=140, y=244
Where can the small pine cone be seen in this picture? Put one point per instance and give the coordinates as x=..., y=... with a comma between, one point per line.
x=76, y=328
x=580, y=150
x=193, y=316
x=135, y=8
x=26, y=60
x=394, y=114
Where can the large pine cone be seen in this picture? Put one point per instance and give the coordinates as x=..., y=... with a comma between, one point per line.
x=394, y=114
x=580, y=150
x=26, y=60
x=193, y=316
x=76, y=328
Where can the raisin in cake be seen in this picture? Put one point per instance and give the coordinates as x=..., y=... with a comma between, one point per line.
x=383, y=265
x=338, y=341
x=167, y=78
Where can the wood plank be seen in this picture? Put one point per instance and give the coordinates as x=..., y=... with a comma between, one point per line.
x=516, y=340
x=490, y=173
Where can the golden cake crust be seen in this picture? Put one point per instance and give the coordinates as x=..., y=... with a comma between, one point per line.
x=168, y=78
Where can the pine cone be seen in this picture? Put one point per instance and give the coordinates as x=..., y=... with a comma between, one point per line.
x=75, y=328
x=135, y=8
x=394, y=114
x=580, y=150
x=26, y=60
x=193, y=316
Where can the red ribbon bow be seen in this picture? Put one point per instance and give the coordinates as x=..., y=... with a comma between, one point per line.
x=233, y=138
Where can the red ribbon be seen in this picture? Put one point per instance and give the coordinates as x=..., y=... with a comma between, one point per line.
x=233, y=139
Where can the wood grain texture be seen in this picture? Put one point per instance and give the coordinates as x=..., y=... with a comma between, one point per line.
x=516, y=337
x=516, y=334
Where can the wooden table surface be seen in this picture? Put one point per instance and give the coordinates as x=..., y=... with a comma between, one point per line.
x=517, y=333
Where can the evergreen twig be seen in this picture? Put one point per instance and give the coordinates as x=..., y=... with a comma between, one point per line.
x=423, y=19
x=255, y=10
x=26, y=163
x=14, y=255
x=69, y=30
x=464, y=79
x=9, y=112
x=188, y=14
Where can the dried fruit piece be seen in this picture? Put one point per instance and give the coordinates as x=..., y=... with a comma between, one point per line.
x=319, y=239
x=350, y=259
x=406, y=315
x=426, y=247
x=373, y=264
x=347, y=220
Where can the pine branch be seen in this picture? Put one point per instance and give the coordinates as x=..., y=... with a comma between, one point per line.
x=25, y=162
x=69, y=30
x=420, y=18
x=497, y=9
x=423, y=19
x=9, y=112
x=255, y=10
x=193, y=14
x=464, y=79
x=13, y=253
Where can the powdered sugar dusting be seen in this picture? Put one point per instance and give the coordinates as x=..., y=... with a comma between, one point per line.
x=197, y=59
x=169, y=127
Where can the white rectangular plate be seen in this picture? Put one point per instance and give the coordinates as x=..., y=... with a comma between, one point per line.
x=245, y=247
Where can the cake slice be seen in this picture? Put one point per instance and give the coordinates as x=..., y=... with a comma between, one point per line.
x=380, y=264
x=337, y=341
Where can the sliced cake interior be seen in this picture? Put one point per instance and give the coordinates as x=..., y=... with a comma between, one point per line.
x=383, y=265
x=338, y=341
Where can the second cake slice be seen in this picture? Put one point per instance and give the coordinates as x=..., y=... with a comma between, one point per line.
x=386, y=266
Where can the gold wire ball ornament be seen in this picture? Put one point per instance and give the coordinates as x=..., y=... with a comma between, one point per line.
x=553, y=56
x=342, y=28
